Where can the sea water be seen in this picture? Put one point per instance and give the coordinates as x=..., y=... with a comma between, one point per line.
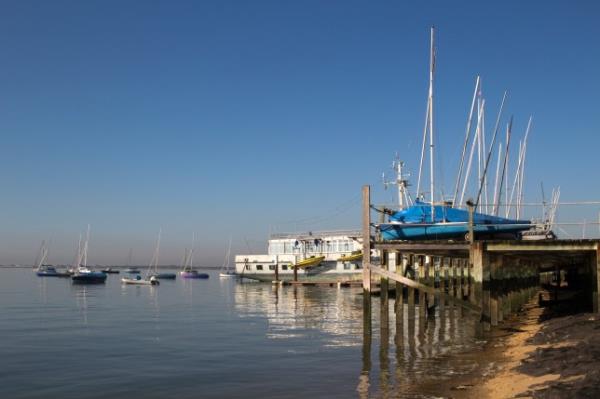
x=219, y=338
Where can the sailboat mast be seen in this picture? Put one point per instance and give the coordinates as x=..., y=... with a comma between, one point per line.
x=487, y=162
x=480, y=109
x=466, y=143
x=85, y=246
x=431, y=70
x=504, y=166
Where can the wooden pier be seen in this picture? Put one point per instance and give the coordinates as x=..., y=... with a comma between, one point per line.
x=490, y=278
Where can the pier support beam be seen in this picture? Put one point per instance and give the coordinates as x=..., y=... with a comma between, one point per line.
x=480, y=259
x=366, y=234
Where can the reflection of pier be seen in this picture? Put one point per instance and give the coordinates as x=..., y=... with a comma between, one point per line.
x=293, y=310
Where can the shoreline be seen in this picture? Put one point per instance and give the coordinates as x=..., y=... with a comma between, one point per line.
x=529, y=358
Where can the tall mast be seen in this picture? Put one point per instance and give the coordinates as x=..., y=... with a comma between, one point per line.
x=85, y=246
x=504, y=165
x=154, y=261
x=431, y=69
x=464, y=150
x=487, y=162
x=476, y=139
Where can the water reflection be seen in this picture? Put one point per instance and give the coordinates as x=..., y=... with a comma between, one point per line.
x=416, y=349
x=296, y=311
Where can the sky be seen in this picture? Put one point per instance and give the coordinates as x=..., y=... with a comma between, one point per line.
x=237, y=118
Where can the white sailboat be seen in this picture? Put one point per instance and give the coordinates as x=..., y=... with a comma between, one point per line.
x=149, y=279
x=225, y=271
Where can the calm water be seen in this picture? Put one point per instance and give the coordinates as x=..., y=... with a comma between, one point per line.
x=217, y=338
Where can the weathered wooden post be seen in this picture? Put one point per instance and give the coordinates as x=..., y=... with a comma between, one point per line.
x=410, y=291
x=384, y=293
x=366, y=233
x=443, y=277
x=399, y=303
x=422, y=294
x=480, y=259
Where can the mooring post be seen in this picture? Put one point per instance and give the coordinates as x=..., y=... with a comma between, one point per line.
x=442, y=273
x=480, y=259
x=399, y=302
x=366, y=233
x=422, y=306
x=410, y=290
x=384, y=292
x=471, y=222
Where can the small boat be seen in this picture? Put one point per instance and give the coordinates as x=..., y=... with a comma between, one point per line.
x=150, y=279
x=50, y=271
x=354, y=256
x=225, y=272
x=87, y=276
x=110, y=270
x=46, y=270
x=193, y=274
x=139, y=281
x=188, y=269
x=310, y=262
x=165, y=276
x=84, y=275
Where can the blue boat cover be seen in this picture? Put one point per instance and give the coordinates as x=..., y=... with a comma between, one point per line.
x=420, y=212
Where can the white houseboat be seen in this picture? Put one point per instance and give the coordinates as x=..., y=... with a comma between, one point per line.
x=319, y=255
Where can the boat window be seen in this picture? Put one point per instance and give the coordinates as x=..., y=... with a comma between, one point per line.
x=284, y=267
x=259, y=267
x=271, y=267
x=248, y=267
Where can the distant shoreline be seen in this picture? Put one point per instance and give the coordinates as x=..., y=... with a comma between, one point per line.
x=142, y=267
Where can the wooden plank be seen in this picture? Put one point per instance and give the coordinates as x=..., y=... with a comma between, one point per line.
x=421, y=247
x=423, y=288
x=523, y=246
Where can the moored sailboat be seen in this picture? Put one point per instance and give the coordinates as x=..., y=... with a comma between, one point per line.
x=150, y=279
x=83, y=274
x=188, y=270
x=225, y=272
x=43, y=270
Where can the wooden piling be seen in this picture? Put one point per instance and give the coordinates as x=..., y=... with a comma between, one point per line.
x=399, y=302
x=366, y=233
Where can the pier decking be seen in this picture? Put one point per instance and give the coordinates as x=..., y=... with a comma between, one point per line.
x=492, y=278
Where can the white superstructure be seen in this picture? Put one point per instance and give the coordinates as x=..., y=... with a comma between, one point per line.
x=286, y=250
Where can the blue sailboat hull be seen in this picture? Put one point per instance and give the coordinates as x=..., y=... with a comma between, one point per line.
x=417, y=223
x=89, y=278
x=52, y=274
x=440, y=231
x=165, y=276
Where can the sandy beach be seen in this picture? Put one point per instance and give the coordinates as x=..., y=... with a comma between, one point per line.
x=536, y=358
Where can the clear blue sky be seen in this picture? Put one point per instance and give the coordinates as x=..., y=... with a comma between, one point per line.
x=239, y=118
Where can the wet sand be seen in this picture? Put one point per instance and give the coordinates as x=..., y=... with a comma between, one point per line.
x=530, y=358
